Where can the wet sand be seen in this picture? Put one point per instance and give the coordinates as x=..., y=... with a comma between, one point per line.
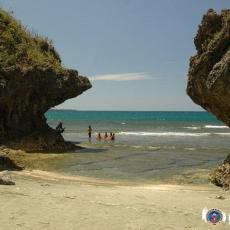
x=44, y=200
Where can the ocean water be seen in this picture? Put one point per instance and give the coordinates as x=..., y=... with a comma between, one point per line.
x=150, y=147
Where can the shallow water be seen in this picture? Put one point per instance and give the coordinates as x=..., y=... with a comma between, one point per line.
x=174, y=147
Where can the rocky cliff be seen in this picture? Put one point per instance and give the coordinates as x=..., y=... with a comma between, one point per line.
x=209, y=75
x=32, y=80
x=209, y=72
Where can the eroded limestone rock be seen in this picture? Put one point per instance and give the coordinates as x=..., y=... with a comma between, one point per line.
x=209, y=76
x=32, y=80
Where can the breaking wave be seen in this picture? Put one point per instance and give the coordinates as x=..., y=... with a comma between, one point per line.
x=182, y=134
x=216, y=127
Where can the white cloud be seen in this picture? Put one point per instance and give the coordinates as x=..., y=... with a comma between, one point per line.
x=122, y=77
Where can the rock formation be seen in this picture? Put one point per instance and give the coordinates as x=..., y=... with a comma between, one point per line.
x=32, y=80
x=8, y=164
x=209, y=72
x=221, y=176
x=209, y=75
x=6, y=181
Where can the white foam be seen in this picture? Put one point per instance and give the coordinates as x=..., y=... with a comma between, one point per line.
x=216, y=127
x=153, y=147
x=163, y=134
x=222, y=134
x=190, y=149
x=193, y=127
x=137, y=146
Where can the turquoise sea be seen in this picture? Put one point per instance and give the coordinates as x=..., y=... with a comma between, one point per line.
x=174, y=147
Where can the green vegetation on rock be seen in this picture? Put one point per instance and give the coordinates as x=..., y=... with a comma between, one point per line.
x=20, y=48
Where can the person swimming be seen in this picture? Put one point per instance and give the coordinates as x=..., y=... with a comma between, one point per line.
x=106, y=136
x=112, y=137
x=98, y=136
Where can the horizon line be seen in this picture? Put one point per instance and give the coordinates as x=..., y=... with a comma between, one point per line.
x=132, y=110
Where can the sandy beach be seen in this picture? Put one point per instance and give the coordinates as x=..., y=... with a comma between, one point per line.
x=43, y=200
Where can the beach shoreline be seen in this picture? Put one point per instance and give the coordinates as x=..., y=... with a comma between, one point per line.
x=48, y=199
x=59, y=165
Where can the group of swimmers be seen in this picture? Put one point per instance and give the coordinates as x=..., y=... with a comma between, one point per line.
x=60, y=129
x=110, y=137
x=99, y=137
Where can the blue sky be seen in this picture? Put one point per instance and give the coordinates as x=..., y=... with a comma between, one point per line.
x=136, y=52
